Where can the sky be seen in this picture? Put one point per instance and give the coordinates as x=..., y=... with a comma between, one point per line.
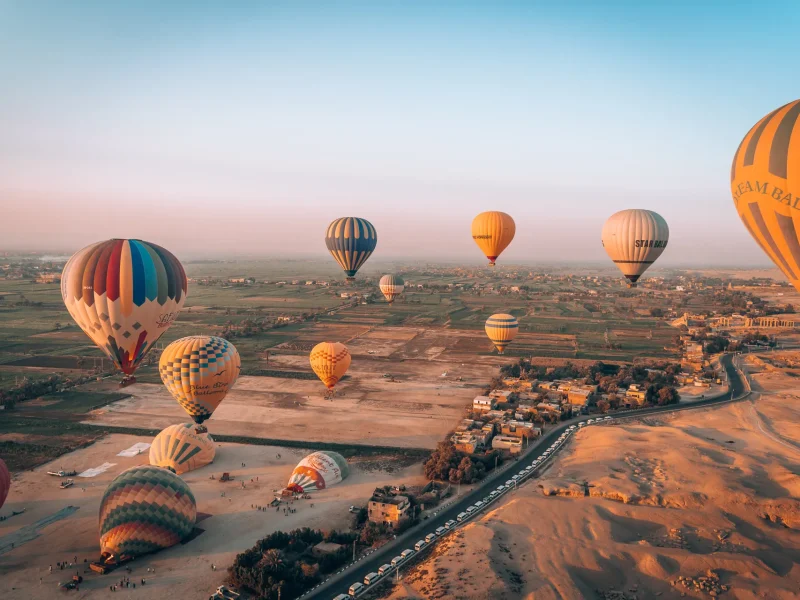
x=222, y=129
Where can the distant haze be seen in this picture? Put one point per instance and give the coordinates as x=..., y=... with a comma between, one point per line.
x=245, y=128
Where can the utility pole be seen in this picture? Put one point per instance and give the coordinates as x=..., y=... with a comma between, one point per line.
x=354, y=553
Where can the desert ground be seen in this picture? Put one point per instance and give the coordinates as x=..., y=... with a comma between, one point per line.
x=696, y=504
x=60, y=524
x=414, y=410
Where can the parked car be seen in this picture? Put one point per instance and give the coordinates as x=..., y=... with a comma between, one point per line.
x=342, y=597
x=479, y=503
x=356, y=588
x=396, y=561
x=501, y=488
x=371, y=578
x=461, y=516
x=406, y=553
x=471, y=509
x=440, y=531
x=607, y=419
x=493, y=493
x=420, y=545
x=450, y=524
x=384, y=569
x=509, y=482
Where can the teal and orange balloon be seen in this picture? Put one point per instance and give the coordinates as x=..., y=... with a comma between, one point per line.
x=124, y=294
x=351, y=241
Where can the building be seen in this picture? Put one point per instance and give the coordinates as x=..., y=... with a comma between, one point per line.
x=389, y=509
x=500, y=395
x=520, y=429
x=325, y=548
x=635, y=393
x=48, y=278
x=504, y=442
x=579, y=396
x=483, y=403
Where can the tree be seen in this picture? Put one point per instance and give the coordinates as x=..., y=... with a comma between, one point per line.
x=668, y=395
x=656, y=312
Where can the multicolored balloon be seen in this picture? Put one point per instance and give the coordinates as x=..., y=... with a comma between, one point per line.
x=493, y=232
x=391, y=286
x=182, y=448
x=351, y=241
x=318, y=471
x=144, y=509
x=199, y=371
x=330, y=361
x=634, y=239
x=124, y=294
x=501, y=330
x=765, y=182
x=5, y=482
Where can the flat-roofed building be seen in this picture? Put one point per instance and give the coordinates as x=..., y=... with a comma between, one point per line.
x=388, y=509
x=505, y=442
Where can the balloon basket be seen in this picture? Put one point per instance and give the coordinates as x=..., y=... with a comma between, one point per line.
x=201, y=429
x=127, y=380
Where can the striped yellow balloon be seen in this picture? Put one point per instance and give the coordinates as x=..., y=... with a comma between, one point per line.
x=765, y=182
x=634, y=239
x=199, y=371
x=330, y=361
x=493, y=232
x=502, y=329
x=182, y=448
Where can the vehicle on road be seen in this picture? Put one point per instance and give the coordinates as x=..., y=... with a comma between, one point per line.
x=420, y=545
x=450, y=524
x=471, y=509
x=371, y=578
x=493, y=493
x=342, y=597
x=515, y=477
x=581, y=424
x=384, y=569
x=479, y=503
x=509, y=482
x=607, y=419
x=440, y=531
x=406, y=553
x=356, y=588
x=396, y=561
x=501, y=488
x=461, y=516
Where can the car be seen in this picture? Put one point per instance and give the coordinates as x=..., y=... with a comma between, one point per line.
x=471, y=509
x=371, y=578
x=450, y=524
x=356, y=588
x=572, y=427
x=440, y=531
x=581, y=424
x=405, y=554
x=493, y=493
x=479, y=503
x=461, y=516
x=528, y=468
x=420, y=545
x=354, y=509
x=396, y=561
x=607, y=419
x=590, y=421
x=342, y=597
x=384, y=569
x=501, y=488
x=515, y=477
x=510, y=482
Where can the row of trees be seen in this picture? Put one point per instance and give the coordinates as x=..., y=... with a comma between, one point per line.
x=448, y=464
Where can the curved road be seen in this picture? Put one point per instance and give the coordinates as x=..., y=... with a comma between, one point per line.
x=340, y=582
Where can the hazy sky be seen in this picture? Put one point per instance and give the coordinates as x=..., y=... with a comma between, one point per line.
x=226, y=127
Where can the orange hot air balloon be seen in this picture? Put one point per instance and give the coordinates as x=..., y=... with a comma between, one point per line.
x=493, y=232
x=330, y=361
x=765, y=182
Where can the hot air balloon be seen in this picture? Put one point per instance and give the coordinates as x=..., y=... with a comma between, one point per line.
x=182, y=448
x=124, y=294
x=351, y=241
x=330, y=361
x=318, y=471
x=502, y=329
x=634, y=239
x=493, y=232
x=765, y=182
x=199, y=371
x=5, y=482
x=144, y=509
x=391, y=286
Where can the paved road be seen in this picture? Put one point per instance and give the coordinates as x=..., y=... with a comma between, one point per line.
x=340, y=583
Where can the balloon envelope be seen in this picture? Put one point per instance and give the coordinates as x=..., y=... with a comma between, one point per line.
x=180, y=448
x=330, y=361
x=502, y=328
x=351, y=241
x=634, y=239
x=145, y=509
x=5, y=482
x=765, y=182
x=493, y=232
x=124, y=294
x=199, y=371
x=391, y=286
x=318, y=471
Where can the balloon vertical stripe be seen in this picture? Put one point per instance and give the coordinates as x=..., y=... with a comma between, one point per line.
x=351, y=241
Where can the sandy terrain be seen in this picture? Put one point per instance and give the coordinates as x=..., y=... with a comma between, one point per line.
x=703, y=494
x=183, y=571
x=415, y=411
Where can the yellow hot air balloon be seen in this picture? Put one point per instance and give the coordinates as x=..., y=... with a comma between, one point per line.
x=634, y=239
x=502, y=328
x=330, y=361
x=124, y=294
x=199, y=371
x=765, y=182
x=182, y=448
x=493, y=232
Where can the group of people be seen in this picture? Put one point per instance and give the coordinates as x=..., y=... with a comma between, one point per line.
x=125, y=582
